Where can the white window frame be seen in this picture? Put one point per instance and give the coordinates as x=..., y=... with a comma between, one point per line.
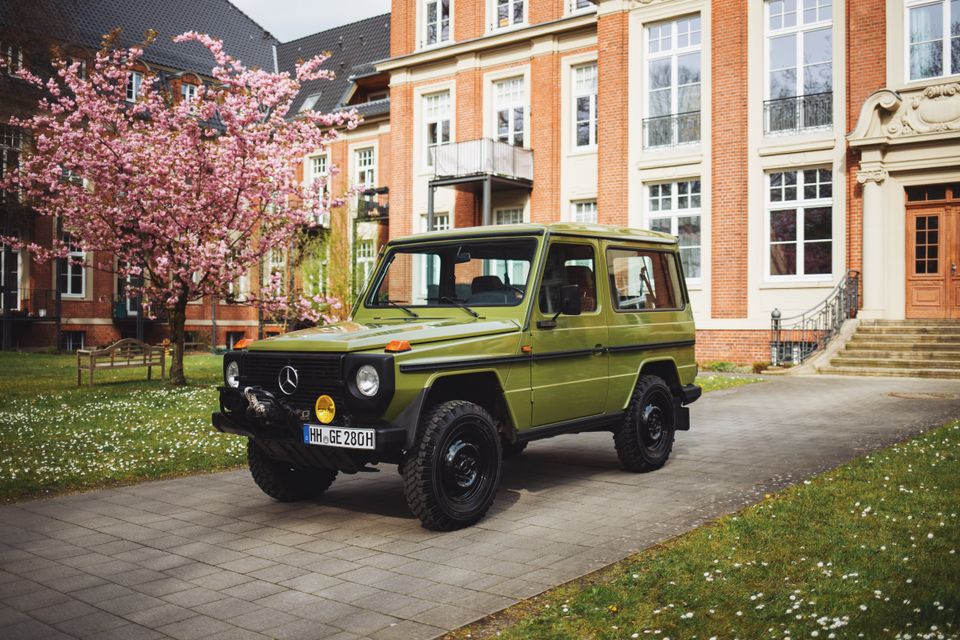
x=70, y=269
x=675, y=211
x=578, y=92
x=578, y=207
x=435, y=117
x=799, y=205
x=673, y=54
x=508, y=215
x=587, y=6
x=12, y=54
x=798, y=30
x=366, y=260
x=365, y=165
x=493, y=7
x=3, y=275
x=188, y=92
x=424, y=24
x=945, y=37
x=521, y=100
x=134, y=85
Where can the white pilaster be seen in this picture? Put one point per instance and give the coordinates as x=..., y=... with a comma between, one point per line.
x=874, y=241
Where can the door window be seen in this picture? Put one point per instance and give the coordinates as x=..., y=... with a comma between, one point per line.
x=643, y=280
x=569, y=264
x=927, y=258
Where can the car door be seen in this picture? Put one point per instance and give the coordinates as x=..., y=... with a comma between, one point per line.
x=569, y=377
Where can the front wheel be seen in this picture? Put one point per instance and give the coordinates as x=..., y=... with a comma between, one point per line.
x=284, y=482
x=450, y=476
x=645, y=438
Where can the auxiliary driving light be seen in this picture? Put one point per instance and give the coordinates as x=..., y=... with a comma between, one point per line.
x=325, y=409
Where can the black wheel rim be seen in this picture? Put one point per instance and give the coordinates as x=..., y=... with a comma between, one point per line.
x=467, y=463
x=656, y=422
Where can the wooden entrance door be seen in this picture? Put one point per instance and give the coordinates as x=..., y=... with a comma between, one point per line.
x=933, y=261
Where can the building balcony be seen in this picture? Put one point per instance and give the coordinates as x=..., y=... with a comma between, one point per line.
x=29, y=304
x=798, y=113
x=481, y=158
x=671, y=131
x=125, y=310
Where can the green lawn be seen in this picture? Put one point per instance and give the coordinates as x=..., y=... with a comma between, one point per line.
x=869, y=550
x=56, y=437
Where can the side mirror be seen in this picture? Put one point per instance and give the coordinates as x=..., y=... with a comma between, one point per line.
x=570, y=302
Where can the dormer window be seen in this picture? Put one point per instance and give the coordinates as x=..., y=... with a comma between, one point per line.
x=188, y=92
x=134, y=82
x=436, y=22
x=309, y=102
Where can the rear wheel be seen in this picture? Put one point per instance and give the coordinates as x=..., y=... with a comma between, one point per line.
x=284, y=482
x=645, y=438
x=450, y=476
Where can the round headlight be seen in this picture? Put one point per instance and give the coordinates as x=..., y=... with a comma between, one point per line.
x=368, y=380
x=232, y=374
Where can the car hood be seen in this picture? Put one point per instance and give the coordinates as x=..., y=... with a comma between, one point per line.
x=360, y=336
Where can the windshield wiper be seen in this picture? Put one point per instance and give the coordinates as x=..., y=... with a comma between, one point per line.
x=461, y=305
x=412, y=314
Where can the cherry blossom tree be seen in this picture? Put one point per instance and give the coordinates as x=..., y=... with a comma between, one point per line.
x=187, y=196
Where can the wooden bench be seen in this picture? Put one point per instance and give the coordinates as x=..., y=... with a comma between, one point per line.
x=120, y=355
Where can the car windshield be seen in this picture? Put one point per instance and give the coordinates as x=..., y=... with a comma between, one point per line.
x=460, y=273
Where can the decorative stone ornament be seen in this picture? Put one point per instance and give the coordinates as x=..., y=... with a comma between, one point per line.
x=872, y=175
x=936, y=108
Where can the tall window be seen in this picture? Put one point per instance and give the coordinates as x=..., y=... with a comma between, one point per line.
x=799, y=65
x=510, y=108
x=436, y=21
x=800, y=222
x=934, y=39
x=436, y=119
x=72, y=271
x=366, y=172
x=509, y=13
x=673, y=83
x=674, y=208
x=584, y=211
x=134, y=82
x=14, y=274
x=585, y=105
x=11, y=141
x=366, y=258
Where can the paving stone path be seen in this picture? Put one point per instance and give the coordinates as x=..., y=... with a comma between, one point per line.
x=211, y=557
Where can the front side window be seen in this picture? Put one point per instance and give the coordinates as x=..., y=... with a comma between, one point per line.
x=643, y=280
x=72, y=270
x=674, y=208
x=673, y=83
x=584, y=211
x=568, y=264
x=799, y=65
x=800, y=223
x=509, y=13
x=477, y=273
x=365, y=176
x=134, y=82
x=436, y=21
x=934, y=39
x=585, y=105
x=510, y=111
x=436, y=119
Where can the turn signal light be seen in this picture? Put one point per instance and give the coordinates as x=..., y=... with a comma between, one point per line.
x=397, y=346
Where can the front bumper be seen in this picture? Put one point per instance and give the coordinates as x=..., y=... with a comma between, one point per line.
x=280, y=431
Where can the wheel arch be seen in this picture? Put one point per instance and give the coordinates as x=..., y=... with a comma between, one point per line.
x=665, y=368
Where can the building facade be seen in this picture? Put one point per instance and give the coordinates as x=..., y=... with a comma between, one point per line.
x=785, y=142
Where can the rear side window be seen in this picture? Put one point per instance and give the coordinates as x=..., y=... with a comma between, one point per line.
x=643, y=280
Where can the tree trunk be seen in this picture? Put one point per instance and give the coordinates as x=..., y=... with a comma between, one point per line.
x=178, y=320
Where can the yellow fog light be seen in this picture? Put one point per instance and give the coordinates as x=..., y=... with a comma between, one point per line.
x=325, y=409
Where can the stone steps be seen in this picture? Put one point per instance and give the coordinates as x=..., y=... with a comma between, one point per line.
x=899, y=356
x=892, y=373
x=856, y=360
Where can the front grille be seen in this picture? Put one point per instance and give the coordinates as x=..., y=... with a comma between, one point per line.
x=319, y=373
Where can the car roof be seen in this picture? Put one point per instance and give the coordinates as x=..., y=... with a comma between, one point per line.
x=584, y=230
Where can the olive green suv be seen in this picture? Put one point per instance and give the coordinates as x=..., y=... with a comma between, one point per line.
x=467, y=345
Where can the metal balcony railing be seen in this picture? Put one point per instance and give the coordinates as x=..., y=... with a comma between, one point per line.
x=796, y=113
x=672, y=130
x=30, y=303
x=125, y=308
x=793, y=340
x=483, y=157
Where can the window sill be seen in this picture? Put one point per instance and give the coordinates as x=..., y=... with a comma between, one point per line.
x=827, y=283
x=513, y=27
x=583, y=151
x=660, y=157
x=919, y=85
x=435, y=45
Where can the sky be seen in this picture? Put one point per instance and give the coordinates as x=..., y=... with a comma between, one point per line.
x=292, y=19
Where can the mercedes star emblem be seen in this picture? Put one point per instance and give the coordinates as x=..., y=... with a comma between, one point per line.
x=288, y=380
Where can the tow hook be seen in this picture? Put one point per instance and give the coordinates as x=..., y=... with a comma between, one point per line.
x=253, y=403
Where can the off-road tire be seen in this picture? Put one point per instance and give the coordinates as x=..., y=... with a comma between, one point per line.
x=645, y=438
x=284, y=482
x=451, y=474
x=513, y=449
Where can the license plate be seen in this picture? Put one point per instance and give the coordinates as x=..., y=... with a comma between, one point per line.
x=338, y=437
